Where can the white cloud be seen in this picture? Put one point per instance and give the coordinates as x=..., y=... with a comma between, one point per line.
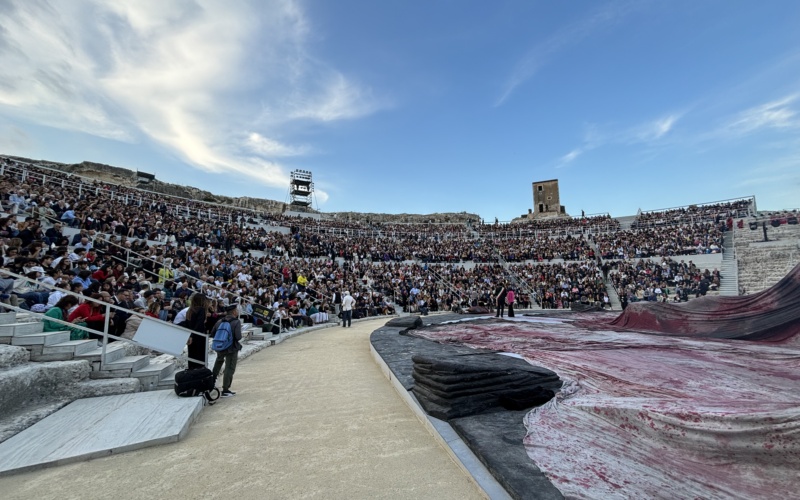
x=647, y=133
x=181, y=73
x=776, y=115
x=572, y=34
x=270, y=147
x=337, y=99
x=655, y=129
x=569, y=157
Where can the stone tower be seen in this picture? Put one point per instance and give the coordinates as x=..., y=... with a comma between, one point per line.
x=546, y=202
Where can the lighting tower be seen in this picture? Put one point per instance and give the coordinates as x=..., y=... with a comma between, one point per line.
x=301, y=188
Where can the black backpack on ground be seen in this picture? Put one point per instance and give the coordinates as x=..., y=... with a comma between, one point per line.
x=198, y=382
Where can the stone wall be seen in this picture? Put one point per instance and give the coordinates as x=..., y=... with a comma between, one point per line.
x=762, y=264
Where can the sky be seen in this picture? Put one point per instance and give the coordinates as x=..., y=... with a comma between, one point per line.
x=402, y=106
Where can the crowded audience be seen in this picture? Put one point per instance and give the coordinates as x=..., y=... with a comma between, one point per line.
x=151, y=253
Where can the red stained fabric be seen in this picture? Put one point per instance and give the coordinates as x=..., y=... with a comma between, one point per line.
x=772, y=315
x=655, y=416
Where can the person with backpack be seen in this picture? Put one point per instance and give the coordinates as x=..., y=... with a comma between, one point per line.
x=227, y=336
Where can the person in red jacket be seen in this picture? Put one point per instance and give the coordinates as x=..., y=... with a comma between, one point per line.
x=94, y=314
x=102, y=274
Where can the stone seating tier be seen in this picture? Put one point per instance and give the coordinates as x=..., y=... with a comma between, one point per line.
x=762, y=264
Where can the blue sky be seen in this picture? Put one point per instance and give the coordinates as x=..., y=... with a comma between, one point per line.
x=416, y=107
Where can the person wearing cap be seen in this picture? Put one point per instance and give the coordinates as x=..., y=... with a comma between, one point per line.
x=230, y=356
x=347, y=309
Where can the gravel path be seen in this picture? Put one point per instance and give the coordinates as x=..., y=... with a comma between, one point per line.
x=313, y=418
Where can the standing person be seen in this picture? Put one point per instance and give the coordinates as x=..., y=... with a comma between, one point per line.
x=337, y=303
x=510, y=298
x=500, y=300
x=347, y=309
x=196, y=322
x=231, y=355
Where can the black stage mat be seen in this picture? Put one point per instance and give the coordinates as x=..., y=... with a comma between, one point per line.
x=495, y=438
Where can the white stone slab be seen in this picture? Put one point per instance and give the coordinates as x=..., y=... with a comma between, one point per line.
x=8, y=317
x=96, y=427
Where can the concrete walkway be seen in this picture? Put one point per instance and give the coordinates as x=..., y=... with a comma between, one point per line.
x=314, y=417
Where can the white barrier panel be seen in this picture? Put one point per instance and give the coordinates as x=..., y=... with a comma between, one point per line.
x=161, y=336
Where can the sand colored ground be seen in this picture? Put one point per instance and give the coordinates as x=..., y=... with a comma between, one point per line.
x=314, y=417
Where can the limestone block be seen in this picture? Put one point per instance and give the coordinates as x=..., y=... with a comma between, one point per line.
x=12, y=355
x=25, y=416
x=103, y=387
x=35, y=381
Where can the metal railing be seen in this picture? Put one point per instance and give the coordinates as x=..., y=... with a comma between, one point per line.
x=61, y=179
x=108, y=307
x=751, y=199
x=448, y=285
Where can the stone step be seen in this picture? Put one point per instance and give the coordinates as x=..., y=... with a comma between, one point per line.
x=13, y=356
x=131, y=363
x=114, y=351
x=8, y=318
x=167, y=382
x=161, y=369
x=17, y=329
x=151, y=375
x=74, y=347
x=44, y=339
x=35, y=381
x=262, y=335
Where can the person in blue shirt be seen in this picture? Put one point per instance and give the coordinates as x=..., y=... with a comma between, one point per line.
x=84, y=277
x=70, y=218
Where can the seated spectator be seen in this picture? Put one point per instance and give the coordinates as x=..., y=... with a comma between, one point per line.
x=30, y=293
x=132, y=323
x=94, y=314
x=84, y=277
x=18, y=201
x=316, y=315
x=299, y=319
x=283, y=318
x=154, y=310
x=61, y=311
x=70, y=217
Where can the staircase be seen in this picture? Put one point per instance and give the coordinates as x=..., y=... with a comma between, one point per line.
x=626, y=222
x=613, y=296
x=24, y=331
x=519, y=285
x=729, y=282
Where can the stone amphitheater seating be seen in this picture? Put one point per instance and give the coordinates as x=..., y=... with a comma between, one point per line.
x=41, y=372
x=762, y=264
